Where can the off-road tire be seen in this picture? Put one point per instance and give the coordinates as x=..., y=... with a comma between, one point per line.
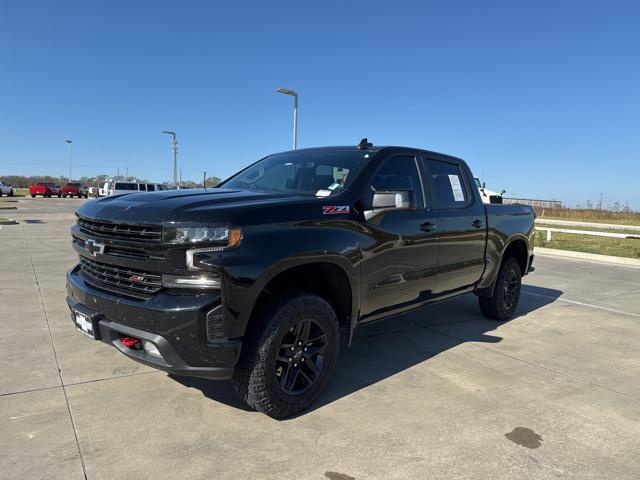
x=497, y=307
x=255, y=379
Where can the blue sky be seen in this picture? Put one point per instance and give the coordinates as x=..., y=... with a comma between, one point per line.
x=541, y=98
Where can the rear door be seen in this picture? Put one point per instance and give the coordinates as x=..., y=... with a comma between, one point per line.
x=461, y=224
x=400, y=249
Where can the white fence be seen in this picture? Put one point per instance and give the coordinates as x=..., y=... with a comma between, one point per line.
x=587, y=232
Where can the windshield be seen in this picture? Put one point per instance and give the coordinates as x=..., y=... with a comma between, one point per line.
x=314, y=172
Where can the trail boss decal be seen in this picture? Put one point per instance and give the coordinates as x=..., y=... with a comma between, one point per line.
x=335, y=209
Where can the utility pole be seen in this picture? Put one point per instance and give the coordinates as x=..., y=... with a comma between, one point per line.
x=180, y=180
x=118, y=175
x=126, y=174
x=174, y=150
x=69, y=150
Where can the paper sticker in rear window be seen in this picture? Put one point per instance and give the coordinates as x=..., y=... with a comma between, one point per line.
x=456, y=188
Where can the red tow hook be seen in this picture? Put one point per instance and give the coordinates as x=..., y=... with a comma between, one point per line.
x=131, y=342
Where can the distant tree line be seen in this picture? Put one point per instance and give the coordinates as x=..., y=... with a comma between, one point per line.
x=22, y=181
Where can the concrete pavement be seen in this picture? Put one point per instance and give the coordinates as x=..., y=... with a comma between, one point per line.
x=438, y=393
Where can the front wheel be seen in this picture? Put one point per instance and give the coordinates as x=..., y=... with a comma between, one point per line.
x=506, y=293
x=289, y=356
x=11, y=192
x=33, y=195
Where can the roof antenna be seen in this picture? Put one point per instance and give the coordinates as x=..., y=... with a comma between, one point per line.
x=364, y=144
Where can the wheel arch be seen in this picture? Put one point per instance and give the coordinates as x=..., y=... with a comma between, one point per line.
x=328, y=278
x=517, y=247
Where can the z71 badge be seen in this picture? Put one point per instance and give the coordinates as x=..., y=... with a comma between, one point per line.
x=335, y=209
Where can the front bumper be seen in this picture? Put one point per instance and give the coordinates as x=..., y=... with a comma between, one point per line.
x=174, y=323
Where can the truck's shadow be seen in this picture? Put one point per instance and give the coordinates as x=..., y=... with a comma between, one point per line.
x=383, y=349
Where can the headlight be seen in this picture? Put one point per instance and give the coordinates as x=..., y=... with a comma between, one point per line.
x=196, y=234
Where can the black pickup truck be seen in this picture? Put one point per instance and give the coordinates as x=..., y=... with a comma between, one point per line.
x=260, y=279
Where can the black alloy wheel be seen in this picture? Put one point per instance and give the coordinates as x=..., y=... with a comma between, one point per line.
x=511, y=290
x=300, y=360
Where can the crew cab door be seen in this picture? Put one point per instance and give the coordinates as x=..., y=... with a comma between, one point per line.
x=399, y=248
x=462, y=225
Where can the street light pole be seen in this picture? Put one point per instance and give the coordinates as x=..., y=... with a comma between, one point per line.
x=174, y=150
x=69, y=149
x=294, y=94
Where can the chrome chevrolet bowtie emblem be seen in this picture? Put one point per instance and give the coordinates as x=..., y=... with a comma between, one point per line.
x=93, y=247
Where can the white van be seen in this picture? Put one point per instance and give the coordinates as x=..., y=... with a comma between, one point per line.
x=118, y=187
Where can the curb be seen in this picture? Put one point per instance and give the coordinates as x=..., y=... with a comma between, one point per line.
x=553, y=252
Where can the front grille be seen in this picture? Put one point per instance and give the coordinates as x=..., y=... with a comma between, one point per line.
x=123, y=252
x=135, y=281
x=120, y=230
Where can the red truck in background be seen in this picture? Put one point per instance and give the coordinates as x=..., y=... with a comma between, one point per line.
x=74, y=190
x=44, y=189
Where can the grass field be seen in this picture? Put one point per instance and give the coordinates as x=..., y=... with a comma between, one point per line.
x=602, y=216
x=619, y=247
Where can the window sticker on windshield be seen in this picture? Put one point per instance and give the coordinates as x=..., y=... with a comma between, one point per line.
x=333, y=186
x=335, y=209
x=323, y=193
x=456, y=188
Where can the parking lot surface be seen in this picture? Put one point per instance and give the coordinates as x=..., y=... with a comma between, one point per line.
x=438, y=393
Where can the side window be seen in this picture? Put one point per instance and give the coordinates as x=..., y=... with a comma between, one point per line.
x=142, y=187
x=399, y=174
x=151, y=187
x=449, y=184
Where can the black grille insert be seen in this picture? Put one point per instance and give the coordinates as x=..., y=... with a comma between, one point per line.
x=120, y=230
x=135, y=281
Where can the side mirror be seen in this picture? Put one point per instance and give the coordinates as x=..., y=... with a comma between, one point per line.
x=389, y=200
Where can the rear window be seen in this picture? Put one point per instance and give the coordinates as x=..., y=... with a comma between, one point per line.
x=449, y=184
x=126, y=186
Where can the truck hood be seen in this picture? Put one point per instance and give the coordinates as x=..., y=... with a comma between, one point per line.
x=184, y=206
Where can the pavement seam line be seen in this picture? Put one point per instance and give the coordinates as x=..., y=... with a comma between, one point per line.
x=532, y=364
x=80, y=383
x=583, y=304
x=29, y=391
x=55, y=356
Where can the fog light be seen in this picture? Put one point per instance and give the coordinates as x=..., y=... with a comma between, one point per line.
x=151, y=348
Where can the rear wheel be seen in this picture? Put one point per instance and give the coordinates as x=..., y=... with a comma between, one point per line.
x=33, y=195
x=289, y=356
x=506, y=293
x=11, y=192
